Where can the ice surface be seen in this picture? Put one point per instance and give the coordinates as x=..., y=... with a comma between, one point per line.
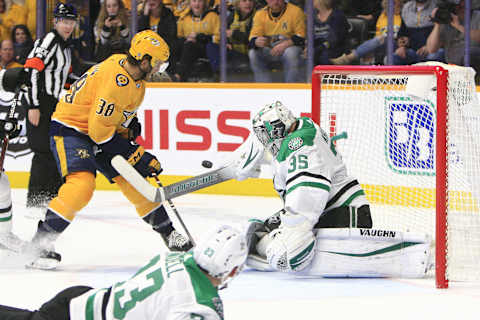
x=107, y=242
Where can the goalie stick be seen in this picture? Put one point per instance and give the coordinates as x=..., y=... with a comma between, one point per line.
x=161, y=194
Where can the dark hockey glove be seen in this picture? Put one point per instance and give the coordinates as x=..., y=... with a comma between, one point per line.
x=10, y=127
x=148, y=165
x=145, y=163
x=134, y=129
x=13, y=78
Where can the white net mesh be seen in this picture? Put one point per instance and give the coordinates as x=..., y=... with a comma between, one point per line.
x=387, y=139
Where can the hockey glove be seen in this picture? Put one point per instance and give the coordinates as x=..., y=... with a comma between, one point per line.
x=145, y=163
x=134, y=129
x=10, y=127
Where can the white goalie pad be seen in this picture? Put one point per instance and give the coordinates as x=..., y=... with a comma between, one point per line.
x=372, y=253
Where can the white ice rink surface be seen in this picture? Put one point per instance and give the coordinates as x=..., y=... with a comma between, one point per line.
x=107, y=242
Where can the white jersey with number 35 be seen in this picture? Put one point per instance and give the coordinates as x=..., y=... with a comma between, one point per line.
x=310, y=175
x=169, y=287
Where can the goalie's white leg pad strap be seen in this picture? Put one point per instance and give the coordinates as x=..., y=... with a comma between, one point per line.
x=370, y=253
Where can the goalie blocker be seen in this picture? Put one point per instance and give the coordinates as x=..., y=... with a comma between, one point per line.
x=345, y=252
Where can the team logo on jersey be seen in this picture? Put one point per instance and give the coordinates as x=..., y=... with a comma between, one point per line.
x=82, y=153
x=295, y=143
x=122, y=80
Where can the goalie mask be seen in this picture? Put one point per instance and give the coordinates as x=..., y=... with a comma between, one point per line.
x=271, y=125
x=221, y=251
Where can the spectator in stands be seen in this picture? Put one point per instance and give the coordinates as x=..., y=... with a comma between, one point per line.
x=451, y=36
x=178, y=7
x=378, y=42
x=330, y=32
x=12, y=12
x=7, y=59
x=31, y=23
x=111, y=30
x=413, y=33
x=22, y=42
x=159, y=18
x=277, y=35
x=196, y=30
x=239, y=24
x=368, y=10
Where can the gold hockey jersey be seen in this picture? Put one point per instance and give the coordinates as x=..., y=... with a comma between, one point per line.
x=103, y=101
x=289, y=23
x=208, y=24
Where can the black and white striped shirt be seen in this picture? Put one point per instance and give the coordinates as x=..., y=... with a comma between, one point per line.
x=53, y=56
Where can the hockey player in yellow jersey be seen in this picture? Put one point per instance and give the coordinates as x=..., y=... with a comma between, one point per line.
x=94, y=121
x=277, y=35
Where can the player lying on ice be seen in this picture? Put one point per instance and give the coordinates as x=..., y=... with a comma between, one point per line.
x=93, y=122
x=176, y=286
x=325, y=225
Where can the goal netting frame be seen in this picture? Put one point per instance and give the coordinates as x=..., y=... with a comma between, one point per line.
x=451, y=91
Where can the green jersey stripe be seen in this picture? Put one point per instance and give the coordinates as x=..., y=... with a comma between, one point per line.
x=309, y=184
x=6, y=219
x=352, y=197
x=89, y=307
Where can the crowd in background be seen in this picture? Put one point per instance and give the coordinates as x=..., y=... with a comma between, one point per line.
x=266, y=39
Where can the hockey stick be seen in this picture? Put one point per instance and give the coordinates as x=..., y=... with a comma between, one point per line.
x=161, y=194
x=11, y=114
x=174, y=209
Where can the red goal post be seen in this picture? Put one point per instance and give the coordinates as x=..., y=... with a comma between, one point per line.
x=402, y=132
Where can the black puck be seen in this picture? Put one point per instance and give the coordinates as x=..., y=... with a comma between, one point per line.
x=207, y=164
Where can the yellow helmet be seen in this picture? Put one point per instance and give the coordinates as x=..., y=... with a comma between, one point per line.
x=149, y=42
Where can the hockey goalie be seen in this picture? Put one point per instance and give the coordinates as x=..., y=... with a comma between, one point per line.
x=325, y=227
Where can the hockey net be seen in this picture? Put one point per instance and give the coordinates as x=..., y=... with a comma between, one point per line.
x=411, y=135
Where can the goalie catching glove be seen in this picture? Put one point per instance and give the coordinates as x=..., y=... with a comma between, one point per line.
x=144, y=162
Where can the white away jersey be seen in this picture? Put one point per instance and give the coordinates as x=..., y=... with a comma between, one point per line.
x=169, y=287
x=310, y=175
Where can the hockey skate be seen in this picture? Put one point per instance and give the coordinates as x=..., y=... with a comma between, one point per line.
x=43, y=252
x=175, y=241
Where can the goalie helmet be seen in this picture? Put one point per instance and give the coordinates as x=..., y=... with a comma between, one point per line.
x=221, y=251
x=150, y=43
x=271, y=125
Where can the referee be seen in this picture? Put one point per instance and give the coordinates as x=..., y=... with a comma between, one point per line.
x=49, y=63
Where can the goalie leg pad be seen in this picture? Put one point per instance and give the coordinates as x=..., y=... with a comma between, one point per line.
x=347, y=252
x=5, y=204
x=291, y=249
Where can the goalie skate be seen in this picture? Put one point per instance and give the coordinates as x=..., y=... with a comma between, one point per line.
x=175, y=241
